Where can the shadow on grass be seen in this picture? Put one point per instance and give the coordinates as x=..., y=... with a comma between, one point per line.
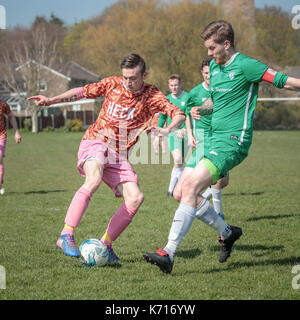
x=43, y=191
x=242, y=264
x=188, y=254
x=279, y=216
x=258, y=193
x=254, y=247
x=112, y=266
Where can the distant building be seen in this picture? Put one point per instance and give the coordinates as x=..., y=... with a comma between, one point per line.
x=53, y=81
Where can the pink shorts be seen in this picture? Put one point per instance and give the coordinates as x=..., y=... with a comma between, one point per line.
x=114, y=172
x=2, y=147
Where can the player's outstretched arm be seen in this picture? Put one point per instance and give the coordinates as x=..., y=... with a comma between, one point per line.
x=292, y=84
x=175, y=124
x=13, y=122
x=68, y=96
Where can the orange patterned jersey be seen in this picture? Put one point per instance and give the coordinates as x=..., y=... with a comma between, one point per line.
x=4, y=110
x=154, y=121
x=125, y=115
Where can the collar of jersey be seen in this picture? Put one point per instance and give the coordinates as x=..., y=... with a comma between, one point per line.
x=230, y=60
x=134, y=93
x=178, y=96
x=203, y=85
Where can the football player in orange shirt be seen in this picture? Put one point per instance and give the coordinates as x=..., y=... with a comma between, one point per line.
x=5, y=111
x=127, y=111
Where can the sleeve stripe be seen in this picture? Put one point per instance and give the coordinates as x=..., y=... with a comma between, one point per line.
x=79, y=92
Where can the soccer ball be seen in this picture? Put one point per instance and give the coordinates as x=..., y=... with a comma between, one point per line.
x=93, y=253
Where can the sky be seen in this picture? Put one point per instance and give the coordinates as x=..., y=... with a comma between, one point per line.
x=23, y=12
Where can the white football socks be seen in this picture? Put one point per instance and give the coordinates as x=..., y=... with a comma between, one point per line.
x=183, y=219
x=217, y=200
x=207, y=193
x=206, y=213
x=175, y=175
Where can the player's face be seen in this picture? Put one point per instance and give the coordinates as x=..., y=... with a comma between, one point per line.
x=219, y=51
x=205, y=74
x=174, y=85
x=133, y=78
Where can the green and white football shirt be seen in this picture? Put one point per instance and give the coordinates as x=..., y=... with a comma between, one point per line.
x=198, y=95
x=180, y=102
x=234, y=91
x=175, y=143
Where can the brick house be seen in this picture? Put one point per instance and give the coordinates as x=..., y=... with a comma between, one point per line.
x=53, y=81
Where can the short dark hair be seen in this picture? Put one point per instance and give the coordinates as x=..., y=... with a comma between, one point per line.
x=175, y=76
x=206, y=62
x=133, y=60
x=220, y=30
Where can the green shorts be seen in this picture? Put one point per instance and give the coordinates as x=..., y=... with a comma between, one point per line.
x=175, y=143
x=201, y=135
x=198, y=154
x=222, y=150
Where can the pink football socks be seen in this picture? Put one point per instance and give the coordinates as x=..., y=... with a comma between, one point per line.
x=76, y=209
x=118, y=223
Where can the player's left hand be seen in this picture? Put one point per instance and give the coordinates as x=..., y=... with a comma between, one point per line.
x=192, y=141
x=180, y=133
x=18, y=137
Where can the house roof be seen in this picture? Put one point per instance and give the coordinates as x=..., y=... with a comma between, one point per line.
x=75, y=71
x=70, y=70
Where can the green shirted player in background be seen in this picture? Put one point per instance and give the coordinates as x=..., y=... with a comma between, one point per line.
x=234, y=80
x=201, y=128
x=177, y=140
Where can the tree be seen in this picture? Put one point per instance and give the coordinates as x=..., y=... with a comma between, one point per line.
x=166, y=35
x=277, y=42
x=23, y=64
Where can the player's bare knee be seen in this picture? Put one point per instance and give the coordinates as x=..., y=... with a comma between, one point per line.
x=191, y=185
x=177, y=194
x=139, y=198
x=92, y=183
x=187, y=184
x=225, y=181
x=135, y=199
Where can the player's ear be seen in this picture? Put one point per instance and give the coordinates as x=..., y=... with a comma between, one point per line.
x=145, y=75
x=227, y=44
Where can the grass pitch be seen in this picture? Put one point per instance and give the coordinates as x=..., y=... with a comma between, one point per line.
x=262, y=197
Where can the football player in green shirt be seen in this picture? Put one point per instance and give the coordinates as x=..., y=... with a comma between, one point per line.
x=234, y=80
x=201, y=127
x=178, y=144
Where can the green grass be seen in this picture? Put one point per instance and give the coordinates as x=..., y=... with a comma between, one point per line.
x=263, y=198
